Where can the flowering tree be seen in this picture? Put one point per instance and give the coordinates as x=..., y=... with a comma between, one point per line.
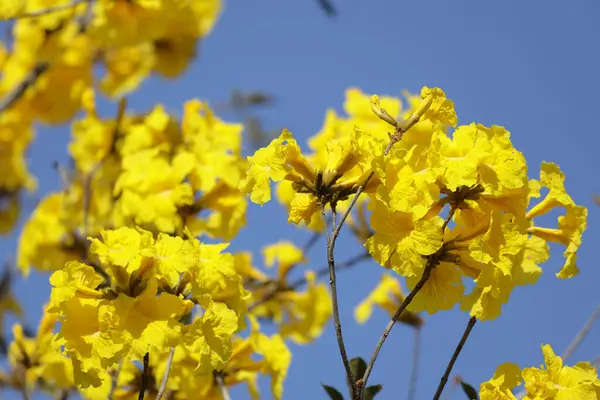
x=147, y=301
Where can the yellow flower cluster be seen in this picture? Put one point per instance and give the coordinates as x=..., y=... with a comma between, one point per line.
x=57, y=46
x=135, y=307
x=554, y=381
x=140, y=170
x=421, y=180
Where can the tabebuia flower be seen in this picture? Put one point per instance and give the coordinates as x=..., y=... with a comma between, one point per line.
x=475, y=180
x=554, y=380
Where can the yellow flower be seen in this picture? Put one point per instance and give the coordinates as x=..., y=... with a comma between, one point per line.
x=402, y=243
x=226, y=213
x=123, y=247
x=215, y=275
x=285, y=254
x=126, y=68
x=277, y=359
x=11, y=8
x=266, y=164
x=556, y=381
x=308, y=313
x=152, y=189
x=39, y=358
x=570, y=226
x=506, y=377
x=210, y=336
x=409, y=177
x=441, y=109
x=441, y=291
x=387, y=295
x=92, y=138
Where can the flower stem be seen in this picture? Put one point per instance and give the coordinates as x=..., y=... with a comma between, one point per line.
x=145, y=377
x=457, y=351
x=583, y=332
x=334, y=302
x=390, y=325
x=222, y=386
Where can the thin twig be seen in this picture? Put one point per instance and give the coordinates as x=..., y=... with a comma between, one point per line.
x=145, y=377
x=165, y=379
x=577, y=340
x=320, y=273
x=325, y=271
x=361, y=188
x=457, y=351
x=334, y=302
x=414, y=374
x=115, y=380
x=448, y=218
x=49, y=10
x=426, y=274
x=279, y=287
x=22, y=87
x=87, y=195
x=392, y=322
x=222, y=386
x=581, y=335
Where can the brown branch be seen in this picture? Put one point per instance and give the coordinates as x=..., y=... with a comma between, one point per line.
x=280, y=286
x=165, y=379
x=25, y=84
x=334, y=300
x=220, y=381
x=457, y=351
x=581, y=335
x=426, y=274
x=145, y=377
x=322, y=272
x=392, y=322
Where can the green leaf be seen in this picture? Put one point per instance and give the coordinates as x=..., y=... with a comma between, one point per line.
x=469, y=391
x=358, y=366
x=332, y=392
x=371, y=391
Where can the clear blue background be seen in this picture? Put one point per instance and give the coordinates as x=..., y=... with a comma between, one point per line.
x=530, y=66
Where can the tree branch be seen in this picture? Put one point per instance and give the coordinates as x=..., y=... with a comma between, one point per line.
x=22, y=87
x=426, y=274
x=392, y=322
x=145, y=377
x=334, y=303
x=457, y=351
x=322, y=272
x=581, y=335
x=219, y=379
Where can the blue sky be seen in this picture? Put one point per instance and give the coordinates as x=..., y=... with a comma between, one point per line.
x=529, y=66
